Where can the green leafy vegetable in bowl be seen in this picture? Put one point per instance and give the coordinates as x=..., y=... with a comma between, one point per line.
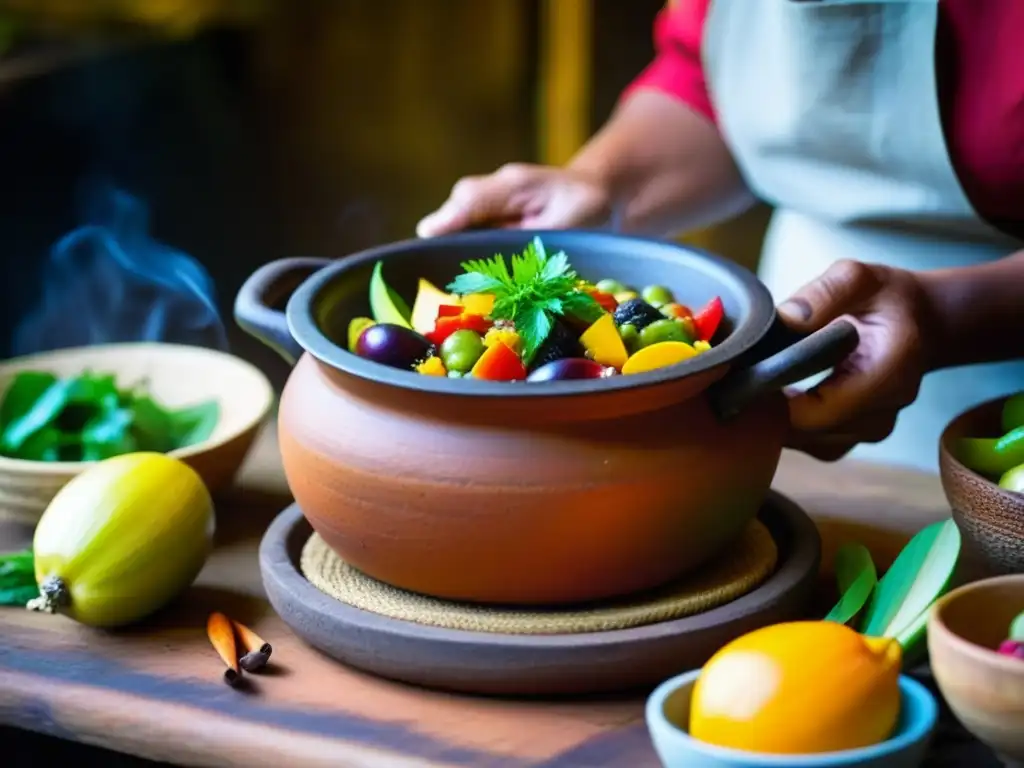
x=90, y=418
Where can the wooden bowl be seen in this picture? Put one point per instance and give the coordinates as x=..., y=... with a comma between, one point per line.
x=984, y=690
x=990, y=519
x=177, y=376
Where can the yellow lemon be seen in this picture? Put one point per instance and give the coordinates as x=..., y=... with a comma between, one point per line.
x=798, y=688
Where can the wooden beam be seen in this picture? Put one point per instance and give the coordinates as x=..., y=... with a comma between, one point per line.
x=565, y=75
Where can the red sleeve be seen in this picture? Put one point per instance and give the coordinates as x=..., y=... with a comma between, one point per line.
x=677, y=68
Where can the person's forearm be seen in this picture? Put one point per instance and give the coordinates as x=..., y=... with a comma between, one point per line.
x=979, y=312
x=666, y=167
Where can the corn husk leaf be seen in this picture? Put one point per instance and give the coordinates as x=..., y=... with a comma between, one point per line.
x=856, y=579
x=920, y=575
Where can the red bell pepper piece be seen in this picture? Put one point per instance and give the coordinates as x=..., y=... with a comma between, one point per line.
x=707, y=320
x=499, y=362
x=449, y=310
x=605, y=300
x=464, y=321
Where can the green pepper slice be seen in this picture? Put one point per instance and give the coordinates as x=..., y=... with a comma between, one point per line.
x=993, y=456
x=1013, y=413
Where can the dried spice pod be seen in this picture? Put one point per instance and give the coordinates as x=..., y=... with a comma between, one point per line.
x=222, y=638
x=257, y=650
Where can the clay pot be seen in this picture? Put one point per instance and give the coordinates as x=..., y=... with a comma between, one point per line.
x=519, y=493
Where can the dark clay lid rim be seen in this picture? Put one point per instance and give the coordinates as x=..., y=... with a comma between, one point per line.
x=303, y=327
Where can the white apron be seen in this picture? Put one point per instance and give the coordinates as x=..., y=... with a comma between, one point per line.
x=831, y=110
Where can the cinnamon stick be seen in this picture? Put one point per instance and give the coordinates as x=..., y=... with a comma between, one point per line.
x=222, y=638
x=257, y=650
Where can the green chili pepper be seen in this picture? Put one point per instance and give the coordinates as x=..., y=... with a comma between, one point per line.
x=1013, y=413
x=993, y=456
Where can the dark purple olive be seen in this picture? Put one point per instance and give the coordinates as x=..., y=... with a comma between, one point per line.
x=392, y=345
x=571, y=368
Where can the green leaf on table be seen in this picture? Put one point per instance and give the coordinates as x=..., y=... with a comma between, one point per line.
x=856, y=578
x=15, y=564
x=18, y=596
x=920, y=575
x=17, y=579
x=1013, y=413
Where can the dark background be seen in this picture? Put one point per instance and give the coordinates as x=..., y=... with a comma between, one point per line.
x=324, y=131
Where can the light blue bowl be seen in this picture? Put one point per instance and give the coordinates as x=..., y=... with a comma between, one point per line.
x=675, y=747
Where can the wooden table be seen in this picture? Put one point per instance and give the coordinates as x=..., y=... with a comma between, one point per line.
x=156, y=691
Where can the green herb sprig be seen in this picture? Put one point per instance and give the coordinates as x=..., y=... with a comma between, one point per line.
x=530, y=293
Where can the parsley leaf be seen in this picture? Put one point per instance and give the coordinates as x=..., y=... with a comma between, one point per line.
x=530, y=294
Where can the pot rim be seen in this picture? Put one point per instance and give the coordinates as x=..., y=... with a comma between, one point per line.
x=759, y=316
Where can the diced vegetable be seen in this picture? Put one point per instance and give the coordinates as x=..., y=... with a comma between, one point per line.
x=604, y=344
x=571, y=368
x=386, y=305
x=657, y=295
x=606, y=301
x=393, y=345
x=673, y=309
x=479, y=303
x=502, y=319
x=506, y=336
x=664, y=330
x=708, y=319
x=465, y=321
x=355, y=330
x=499, y=363
x=461, y=350
x=432, y=366
x=659, y=355
x=429, y=300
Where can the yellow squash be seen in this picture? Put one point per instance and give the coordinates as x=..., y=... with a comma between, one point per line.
x=798, y=688
x=122, y=539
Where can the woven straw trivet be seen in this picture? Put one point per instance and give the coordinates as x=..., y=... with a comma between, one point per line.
x=746, y=565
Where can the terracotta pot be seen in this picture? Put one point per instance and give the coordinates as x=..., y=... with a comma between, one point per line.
x=522, y=493
x=990, y=518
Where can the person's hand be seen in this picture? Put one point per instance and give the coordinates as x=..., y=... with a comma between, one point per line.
x=860, y=400
x=521, y=196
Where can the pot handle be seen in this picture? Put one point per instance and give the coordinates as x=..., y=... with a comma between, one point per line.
x=772, y=369
x=259, y=305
